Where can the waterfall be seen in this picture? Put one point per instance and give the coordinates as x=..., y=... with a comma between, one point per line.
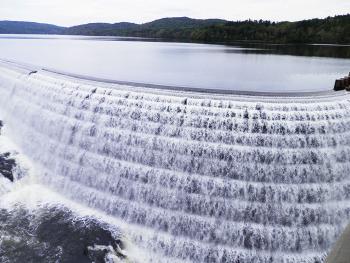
x=196, y=177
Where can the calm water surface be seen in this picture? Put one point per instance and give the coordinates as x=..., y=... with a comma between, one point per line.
x=247, y=67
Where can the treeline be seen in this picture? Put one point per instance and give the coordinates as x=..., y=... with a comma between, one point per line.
x=332, y=30
x=328, y=30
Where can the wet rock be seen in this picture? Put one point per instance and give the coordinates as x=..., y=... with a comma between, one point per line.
x=6, y=163
x=52, y=234
x=6, y=166
x=102, y=254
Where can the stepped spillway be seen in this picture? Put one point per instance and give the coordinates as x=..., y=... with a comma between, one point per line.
x=196, y=177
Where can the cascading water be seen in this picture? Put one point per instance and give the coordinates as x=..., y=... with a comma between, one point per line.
x=190, y=177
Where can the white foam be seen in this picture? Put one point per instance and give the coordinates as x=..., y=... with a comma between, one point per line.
x=185, y=176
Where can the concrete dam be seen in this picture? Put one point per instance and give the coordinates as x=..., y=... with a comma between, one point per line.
x=190, y=176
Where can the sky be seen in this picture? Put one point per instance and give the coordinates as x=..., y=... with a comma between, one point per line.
x=74, y=12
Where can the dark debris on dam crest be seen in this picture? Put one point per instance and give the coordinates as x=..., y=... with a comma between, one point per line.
x=195, y=177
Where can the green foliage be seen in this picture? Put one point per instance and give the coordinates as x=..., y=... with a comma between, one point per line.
x=328, y=30
x=333, y=30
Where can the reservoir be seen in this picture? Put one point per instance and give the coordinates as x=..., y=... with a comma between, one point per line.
x=236, y=67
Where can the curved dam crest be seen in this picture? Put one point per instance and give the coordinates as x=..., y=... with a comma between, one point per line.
x=197, y=177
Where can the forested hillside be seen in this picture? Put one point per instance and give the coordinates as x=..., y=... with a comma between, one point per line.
x=19, y=27
x=329, y=30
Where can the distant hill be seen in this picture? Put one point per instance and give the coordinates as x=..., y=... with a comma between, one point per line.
x=100, y=29
x=181, y=22
x=173, y=28
x=19, y=27
x=332, y=30
x=150, y=29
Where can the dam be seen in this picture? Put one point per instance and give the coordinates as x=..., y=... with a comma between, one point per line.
x=191, y=176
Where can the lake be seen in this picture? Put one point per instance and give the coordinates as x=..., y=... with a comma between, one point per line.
x=239, y=66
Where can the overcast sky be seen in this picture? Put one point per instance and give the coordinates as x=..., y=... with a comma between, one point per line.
x=73, y=12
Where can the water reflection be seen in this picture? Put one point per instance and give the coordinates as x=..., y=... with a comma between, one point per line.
x=331, y=51
x=238, y=66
